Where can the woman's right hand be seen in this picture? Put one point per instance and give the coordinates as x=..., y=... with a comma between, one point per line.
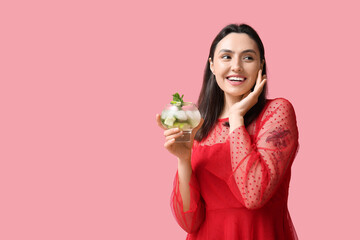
x=182, y=150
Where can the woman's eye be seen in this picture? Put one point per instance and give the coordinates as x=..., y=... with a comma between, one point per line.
x=226, y=57
x=248, y=58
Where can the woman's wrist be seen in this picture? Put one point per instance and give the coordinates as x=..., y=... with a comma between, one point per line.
x=235, y=113
x=235, y=122
x=184, y=165
x=184, y=160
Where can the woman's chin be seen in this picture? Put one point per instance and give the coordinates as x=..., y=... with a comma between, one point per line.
x=237, y=95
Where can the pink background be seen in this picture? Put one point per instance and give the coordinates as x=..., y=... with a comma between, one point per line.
x=81, y=82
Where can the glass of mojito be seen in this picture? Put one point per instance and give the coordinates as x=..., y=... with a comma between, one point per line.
x=182, y=115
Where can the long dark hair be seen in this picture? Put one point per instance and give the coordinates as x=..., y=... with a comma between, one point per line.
x=211, y=98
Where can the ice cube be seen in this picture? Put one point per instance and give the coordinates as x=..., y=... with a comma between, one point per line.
x=189, y=114
x=180, y=115
x=173, y=108
x=168, y=113
x=194, y=117
x=197, y=116
x=164, y=114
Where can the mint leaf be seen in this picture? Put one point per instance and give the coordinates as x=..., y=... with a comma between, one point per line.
x=177, y=100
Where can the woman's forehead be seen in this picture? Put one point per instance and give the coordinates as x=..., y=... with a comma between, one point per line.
x=236, y=42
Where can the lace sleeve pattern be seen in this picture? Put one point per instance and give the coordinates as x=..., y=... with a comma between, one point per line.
x=190, y=220
x=259, y=164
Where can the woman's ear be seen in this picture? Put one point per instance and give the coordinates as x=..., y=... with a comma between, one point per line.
x=262, y=65
x=211, y=64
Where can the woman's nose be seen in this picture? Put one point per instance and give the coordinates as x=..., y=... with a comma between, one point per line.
x=237, y=66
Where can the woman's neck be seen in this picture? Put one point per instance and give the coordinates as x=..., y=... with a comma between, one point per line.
x=228, y=102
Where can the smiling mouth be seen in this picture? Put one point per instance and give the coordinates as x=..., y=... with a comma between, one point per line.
x=236, y=79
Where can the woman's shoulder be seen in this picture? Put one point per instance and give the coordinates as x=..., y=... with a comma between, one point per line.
x=278, y=102
x=277, y=106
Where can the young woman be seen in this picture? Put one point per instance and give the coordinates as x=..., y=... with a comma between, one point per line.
x=233, y=177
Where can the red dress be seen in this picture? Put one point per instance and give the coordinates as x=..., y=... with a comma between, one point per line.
x=240, y=180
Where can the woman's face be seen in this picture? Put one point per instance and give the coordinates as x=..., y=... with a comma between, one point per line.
x=236, y=64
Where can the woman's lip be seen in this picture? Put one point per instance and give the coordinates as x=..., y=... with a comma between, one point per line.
x=235, y=83
x=239, y=76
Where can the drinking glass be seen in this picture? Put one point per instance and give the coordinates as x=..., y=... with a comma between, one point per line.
x=185, y=117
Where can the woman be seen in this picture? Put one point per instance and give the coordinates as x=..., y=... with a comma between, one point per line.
x=233, y=177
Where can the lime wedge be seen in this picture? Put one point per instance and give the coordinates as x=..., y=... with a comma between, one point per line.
x=169, y=121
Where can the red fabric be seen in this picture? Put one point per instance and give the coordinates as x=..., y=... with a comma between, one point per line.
x=240, y=180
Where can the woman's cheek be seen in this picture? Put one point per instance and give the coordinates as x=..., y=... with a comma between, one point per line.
x=255, y=70
x=222, y=65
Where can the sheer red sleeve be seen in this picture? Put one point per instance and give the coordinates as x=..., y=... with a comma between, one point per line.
x=258, y=165
x=190, y=220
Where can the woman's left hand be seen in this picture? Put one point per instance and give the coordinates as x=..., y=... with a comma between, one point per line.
x=249, y=99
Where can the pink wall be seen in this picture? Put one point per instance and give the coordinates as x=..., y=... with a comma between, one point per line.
x=81, y=82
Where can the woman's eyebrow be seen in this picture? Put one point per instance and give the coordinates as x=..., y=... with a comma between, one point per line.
x=226, y=50
x=230, y=51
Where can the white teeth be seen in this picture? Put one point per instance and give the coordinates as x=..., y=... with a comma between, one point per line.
x=236, y=79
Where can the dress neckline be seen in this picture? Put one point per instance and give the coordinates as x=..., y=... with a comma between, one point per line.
x=223, y=119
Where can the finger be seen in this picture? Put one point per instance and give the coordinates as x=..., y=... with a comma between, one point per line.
x=259, y=88
x=176, y=135
x=169, y=143
x=246, y=94
x=261, y=83
x=194, y=131
x=159, y=121
x=171, y=131
x=259, y=77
